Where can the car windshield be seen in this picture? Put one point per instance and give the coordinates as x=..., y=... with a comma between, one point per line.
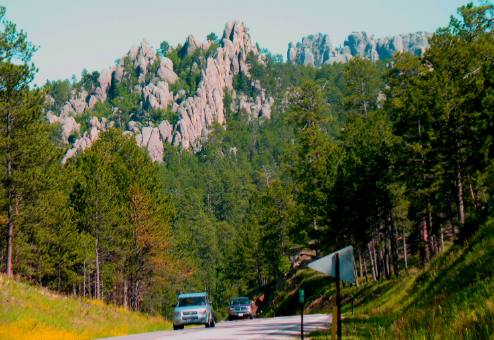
x=192, y=301
x=240, y=301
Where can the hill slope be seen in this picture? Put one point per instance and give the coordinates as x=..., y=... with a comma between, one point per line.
x=452, y=298
x=27, y=312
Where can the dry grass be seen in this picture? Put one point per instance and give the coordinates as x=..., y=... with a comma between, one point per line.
x=28, y=312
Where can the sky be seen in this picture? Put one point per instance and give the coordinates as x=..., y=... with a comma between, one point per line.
x=92, y=34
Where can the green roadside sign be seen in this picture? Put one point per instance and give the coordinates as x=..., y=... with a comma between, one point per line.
x=301, y=296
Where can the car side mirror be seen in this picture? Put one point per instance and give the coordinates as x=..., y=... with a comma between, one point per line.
x=174, y=305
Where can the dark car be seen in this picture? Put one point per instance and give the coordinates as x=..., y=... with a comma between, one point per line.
x=240, y=308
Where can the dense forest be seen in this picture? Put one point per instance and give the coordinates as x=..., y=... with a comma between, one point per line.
x=393, y=157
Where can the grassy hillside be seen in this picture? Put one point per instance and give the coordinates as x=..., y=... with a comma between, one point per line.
x=453, y=297
x=27, y=312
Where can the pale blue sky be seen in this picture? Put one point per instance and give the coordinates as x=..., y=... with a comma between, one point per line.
x=76, y=34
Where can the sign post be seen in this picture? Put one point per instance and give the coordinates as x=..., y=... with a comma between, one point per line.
x=301, y=300
x=341, y=266
x=338, y=298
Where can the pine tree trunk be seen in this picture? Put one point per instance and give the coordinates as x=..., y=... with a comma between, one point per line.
x=476, y=203
x=381, y=268
x=432, y=249
x=10, y=243
x=97, y=286
x=442, y=238
x=376, y=260
x=365, y=270
x=125, y=290
x=461, y=207
x=10, y=198
x=425, y=242
x=138, y=295
x=59, y=279
x=374, y=276
x=84, y=280
x=405, y=250
x=387, y=266
x=360, y=263
x=394, y=246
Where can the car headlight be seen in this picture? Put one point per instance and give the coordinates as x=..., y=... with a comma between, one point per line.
x=202, y=311
x=177, y=314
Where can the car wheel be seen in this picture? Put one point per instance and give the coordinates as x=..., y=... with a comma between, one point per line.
x=177, y=327
x=212, y=324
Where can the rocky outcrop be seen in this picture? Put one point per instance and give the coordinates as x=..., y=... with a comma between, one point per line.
x=165, y=71
x=192, y=44
x=150, y=139
x=258, y=107
x=96, y=126
x=157, y=96
x=311, y=50
x=316, y=50
x=69, y=125
x=413, y=43
x=200, y=112
x=196, y=114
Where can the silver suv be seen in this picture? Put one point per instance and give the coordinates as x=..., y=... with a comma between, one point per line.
x=193, y=309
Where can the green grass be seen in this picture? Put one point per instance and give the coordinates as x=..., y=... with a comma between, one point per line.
x=452, y=298
x=28, y=312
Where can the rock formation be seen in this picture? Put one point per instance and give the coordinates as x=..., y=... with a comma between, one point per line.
x=192, y=44
x=317, y=49
x=196, y=114
x=95, y=127
x=199, y=113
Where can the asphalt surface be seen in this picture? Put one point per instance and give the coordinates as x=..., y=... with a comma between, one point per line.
x=285, y=327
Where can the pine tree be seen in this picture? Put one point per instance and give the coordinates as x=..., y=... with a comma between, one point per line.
x=25, y=146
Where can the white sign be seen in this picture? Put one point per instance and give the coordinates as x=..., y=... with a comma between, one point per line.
x=326, y=264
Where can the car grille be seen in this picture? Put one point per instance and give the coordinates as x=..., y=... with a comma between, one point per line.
x=190, y=313
x=240, y=309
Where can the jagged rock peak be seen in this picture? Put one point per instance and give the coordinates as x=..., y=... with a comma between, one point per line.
x=314, y=49
x=317, y=49
x=192, y=44
x=238, y=33
x=199, y=113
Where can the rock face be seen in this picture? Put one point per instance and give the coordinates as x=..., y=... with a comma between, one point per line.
x=149, y=138
x=157, y=96
x=316, y=50
x=200, y=112
x=196, y=114
x=311, y=50
x=95, y=127
x=192, y=44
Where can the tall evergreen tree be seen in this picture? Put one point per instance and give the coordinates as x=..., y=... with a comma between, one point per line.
x=25, y=146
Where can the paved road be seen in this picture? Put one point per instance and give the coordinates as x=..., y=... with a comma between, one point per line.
x=285, y=327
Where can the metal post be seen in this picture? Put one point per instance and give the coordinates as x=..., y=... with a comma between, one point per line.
x=301, y=300
x=338, y=300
